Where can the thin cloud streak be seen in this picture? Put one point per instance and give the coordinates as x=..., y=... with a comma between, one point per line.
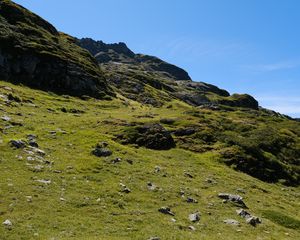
x=286, y=105
x=273, y=66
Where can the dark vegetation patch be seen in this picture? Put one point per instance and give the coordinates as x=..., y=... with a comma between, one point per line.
x=282, y=219
x=153, y=136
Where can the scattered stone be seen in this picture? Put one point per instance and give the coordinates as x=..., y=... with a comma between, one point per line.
x=194, y=217
x=249, y=218
x=166, y=210
x=101, y=150
x=124, y=188
x=151, y=186
x=173, y=220
x=17, y=143
x=116, y=160
x=37, y=168
x=6, y=118
x=157, y=169
x=192, y=228
x=7, y=223
x=30, y=159
x=44, y=181
x=243, y=213
x=29, y=198
x=232, y=198
x=253, y=220
x=181, y=193
x=191, y=200
x=33, y=143
x=231, y=222
x=188, y=175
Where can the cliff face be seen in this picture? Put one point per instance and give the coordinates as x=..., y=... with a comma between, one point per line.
x=33, y=52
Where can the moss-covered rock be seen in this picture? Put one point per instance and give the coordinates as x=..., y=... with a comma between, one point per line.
x=153, y=136
x=34, y=53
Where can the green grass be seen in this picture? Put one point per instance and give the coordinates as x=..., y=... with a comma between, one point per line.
x=281, y=219
x=94, y=207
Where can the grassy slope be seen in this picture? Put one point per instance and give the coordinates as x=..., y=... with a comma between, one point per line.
x=85, y=178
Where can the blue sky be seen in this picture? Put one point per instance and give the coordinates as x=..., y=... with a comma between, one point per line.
x=249, y=46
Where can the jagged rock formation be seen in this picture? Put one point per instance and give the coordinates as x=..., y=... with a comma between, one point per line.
x=150, y=80
x=34, y=53
x=120, y=53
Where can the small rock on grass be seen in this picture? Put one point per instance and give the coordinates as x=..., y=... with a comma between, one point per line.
x=17, y=143
x=166, y=210
x=253, y=220
x=191, y=200
x=194, y=217
x=124, y=188
x=231, y=222
x=232, y=198
x=7, y=223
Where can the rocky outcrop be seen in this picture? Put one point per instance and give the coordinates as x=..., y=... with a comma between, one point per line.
x=153, y=136
x=120, y=53
x=34, y=53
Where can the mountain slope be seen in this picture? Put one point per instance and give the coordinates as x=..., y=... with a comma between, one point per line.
x=164, y=158
x=33, y=52
x=150, y=80
x=68, y=193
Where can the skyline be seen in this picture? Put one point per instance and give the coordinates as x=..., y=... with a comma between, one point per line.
x=249, y=47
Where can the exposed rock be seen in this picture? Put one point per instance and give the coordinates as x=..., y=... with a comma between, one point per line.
x=153, y=136
x=187, y=174
x=17, y=143
x=6, y=118
x=34, y=53
x=116, y=160
x=44, y=181
x=124, y=188
x=37, y=151
x=253, y=220
x=166, y=210
x=232, y=198
x=7, y=223
x=120, y=53
x=194, y=217
x=101, y=150
x=151, y=186
x=191, y=200
x=249, y=218
x=157, y=169
x=240, y=100
x=231, y=222
x=192, y=228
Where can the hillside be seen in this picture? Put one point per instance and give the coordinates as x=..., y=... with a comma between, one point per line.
x=150, y=80
x=110, y=144
x=34, y=53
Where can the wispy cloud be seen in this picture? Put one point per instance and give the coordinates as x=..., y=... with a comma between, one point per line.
x=289, y=105
x=273, y=66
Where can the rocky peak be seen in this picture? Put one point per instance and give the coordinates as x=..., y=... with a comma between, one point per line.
x=120, y=53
